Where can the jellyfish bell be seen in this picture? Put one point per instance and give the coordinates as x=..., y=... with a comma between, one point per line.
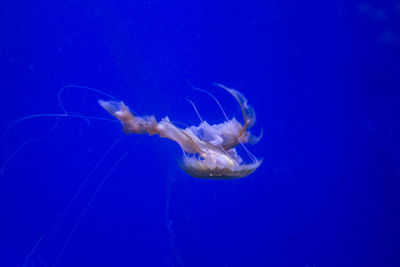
x=209, y=150
x=217, y=167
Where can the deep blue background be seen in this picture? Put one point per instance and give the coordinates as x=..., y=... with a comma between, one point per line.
x=323, y=77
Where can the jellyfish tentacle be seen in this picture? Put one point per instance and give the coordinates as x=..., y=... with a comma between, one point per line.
x=213, y=97
x=113, y=167
x=248, y=113
x=62, y=89
x=32, y=250
x=30, y=140
x=195, y=109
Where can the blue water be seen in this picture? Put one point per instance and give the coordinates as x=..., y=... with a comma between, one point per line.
x=322, y=76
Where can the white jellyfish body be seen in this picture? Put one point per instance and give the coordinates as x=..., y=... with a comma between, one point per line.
x=209, y=150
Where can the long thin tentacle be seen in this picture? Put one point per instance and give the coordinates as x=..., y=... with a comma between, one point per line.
x=195, y=109
x=87, y=207
x=213, y=97
x=62, y=89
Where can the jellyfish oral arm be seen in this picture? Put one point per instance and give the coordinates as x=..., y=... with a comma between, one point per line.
x=148, y=124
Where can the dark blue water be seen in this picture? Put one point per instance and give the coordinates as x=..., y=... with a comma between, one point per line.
x=322, y=76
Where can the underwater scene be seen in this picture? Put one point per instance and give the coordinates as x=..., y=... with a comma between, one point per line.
x=200, y=133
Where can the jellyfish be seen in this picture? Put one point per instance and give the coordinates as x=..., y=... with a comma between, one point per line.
x=209, y=151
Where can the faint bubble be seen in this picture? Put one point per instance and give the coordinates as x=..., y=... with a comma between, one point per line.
x=371, y=12
x=389, y=37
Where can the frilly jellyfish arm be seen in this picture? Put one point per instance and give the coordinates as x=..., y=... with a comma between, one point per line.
x=148, y=124
x=248, y=113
